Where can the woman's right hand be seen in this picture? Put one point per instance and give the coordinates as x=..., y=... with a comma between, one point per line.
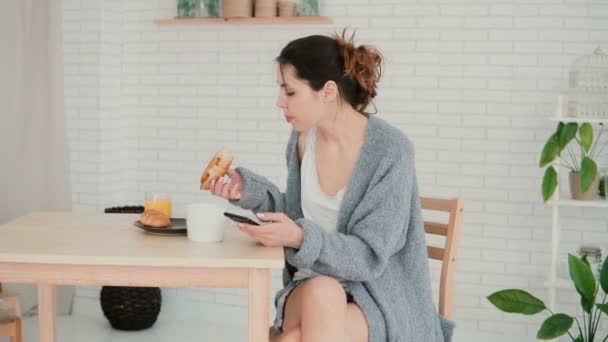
x=229, y=187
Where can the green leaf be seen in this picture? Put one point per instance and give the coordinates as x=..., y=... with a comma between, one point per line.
x=550, y=151
x=586, y=134
x=584, y=259
x=588, y=173
x=566, y=134
x=558, y=129
x=586, y=304
x=555, y=326
x=517, y=301
x=549, y=183
x=579, y=339
x=583, y=278
x=603, y=307
x=604, y=276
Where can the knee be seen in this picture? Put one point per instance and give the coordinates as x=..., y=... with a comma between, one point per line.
x=291, y=335
x=322, y=290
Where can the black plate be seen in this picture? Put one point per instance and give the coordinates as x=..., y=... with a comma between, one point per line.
x=178, y=227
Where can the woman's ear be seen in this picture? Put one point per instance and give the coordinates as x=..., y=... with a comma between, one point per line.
x=330, y=92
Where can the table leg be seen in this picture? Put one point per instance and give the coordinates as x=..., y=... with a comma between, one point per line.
x=46, y=312
x=259, y=305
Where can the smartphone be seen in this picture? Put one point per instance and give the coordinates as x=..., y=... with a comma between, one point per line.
x=241, y=219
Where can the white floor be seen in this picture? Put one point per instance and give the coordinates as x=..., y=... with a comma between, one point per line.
x=96, y=329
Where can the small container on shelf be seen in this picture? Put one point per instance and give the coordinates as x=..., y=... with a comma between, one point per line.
x=309, y=8
x=237, y=8
x=287, y=8
x=265, y=8
x=209, y=8
x=187, y=8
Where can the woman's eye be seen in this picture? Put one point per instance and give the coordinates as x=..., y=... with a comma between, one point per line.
x=289, y=93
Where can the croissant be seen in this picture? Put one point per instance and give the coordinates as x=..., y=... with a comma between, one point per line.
x=217, y=167
x=155, y=218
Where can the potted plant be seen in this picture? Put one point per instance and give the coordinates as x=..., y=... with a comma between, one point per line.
x=558, y=324
x=584, y=175
x=209, y=8
x=186, y=8
x=309, y=7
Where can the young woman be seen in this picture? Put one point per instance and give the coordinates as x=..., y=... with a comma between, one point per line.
x=350, y=219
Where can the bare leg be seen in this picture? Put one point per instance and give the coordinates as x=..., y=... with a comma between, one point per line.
x=318, y=308
x=356, y=324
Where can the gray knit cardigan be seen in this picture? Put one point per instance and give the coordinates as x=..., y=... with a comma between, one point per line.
x=380, y=248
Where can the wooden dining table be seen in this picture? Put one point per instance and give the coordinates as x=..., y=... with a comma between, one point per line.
x=72, y=248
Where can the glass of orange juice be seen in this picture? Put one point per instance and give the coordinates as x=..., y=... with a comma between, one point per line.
x=159, y=201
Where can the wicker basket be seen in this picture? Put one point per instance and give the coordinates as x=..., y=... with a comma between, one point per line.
x=130, y=308
x=126, y=307
x=237, y=8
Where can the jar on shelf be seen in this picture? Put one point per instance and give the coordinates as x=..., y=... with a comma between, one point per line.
x=594, y=257
x=309, y=7
x=265, y=8
x=588, y=86
x=187, y=8
x=237, y=8
x=287, y=8
x=209, y=8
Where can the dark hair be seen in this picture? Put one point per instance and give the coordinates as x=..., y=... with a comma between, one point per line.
x=319, y=59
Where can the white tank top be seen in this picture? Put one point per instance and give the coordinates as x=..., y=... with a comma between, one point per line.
x=317, y=206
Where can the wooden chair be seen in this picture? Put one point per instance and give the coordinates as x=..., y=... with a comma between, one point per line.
x=447, y=255
x=10, y=317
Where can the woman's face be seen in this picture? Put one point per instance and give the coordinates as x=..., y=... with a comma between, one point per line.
x=302, y=106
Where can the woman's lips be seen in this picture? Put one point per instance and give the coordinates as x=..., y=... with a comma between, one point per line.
x=289, y=119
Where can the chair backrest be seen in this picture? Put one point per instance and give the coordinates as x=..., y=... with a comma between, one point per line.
x=447, y=255
x=10, y=302
x=10, y=317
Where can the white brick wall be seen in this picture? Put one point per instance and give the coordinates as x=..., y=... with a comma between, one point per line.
x=471, y=82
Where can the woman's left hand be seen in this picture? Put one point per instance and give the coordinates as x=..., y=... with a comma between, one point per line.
x=281, y=231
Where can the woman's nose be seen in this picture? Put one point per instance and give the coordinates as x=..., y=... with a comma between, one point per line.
x=280, y=102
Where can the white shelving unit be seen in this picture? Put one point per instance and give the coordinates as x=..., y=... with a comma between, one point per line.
x=554, y=281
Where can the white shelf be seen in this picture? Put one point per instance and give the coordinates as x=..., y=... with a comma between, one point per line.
x=578, y=120
x=599, y=203
x=559, y=201
x=559, y=283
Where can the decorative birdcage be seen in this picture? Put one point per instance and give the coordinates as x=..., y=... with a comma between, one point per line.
x=588, y=87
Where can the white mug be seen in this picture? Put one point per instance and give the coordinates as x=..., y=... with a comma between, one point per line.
x=205, y=221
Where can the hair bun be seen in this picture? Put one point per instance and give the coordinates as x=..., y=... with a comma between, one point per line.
x=363, y=64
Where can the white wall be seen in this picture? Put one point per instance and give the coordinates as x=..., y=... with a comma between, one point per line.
x=472, y=82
